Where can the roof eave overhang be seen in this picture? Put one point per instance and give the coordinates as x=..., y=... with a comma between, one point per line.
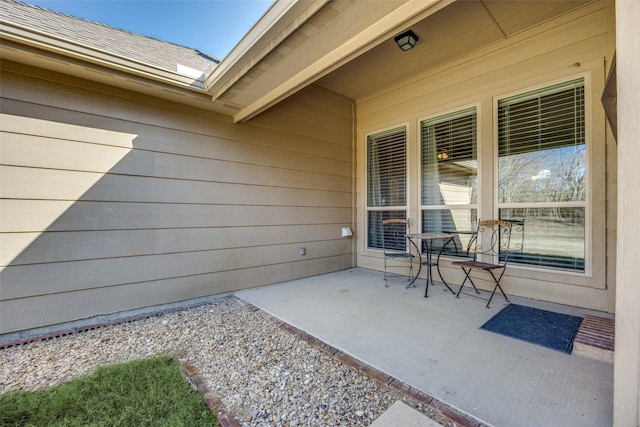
x=278, y=23
x=282, y=21
x=31, y=41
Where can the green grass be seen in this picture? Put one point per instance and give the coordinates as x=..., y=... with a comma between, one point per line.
x=144, y=393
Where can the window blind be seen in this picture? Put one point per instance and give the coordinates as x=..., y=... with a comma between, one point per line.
x=387, y=168
x=449, y=159
x=544, y=119
x=386, y=181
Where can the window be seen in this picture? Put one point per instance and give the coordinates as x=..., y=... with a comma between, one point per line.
x=449, y=190
x=542, y=174
x=386, y=180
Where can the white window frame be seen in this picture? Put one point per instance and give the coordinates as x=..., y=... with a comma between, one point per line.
x=477, y=206
x=586, y=204
x=395, y=208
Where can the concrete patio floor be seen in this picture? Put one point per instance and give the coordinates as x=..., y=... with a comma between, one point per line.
x=435, y=345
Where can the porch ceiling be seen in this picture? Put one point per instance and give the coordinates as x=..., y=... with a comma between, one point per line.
x=461, y=27
x=348, y=47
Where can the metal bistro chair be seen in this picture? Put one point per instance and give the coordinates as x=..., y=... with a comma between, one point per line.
x=396, y=248
x=517, y=233
x=492, y=246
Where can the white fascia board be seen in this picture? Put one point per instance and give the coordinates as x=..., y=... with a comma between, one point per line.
x=36, y=39
x=280, y=21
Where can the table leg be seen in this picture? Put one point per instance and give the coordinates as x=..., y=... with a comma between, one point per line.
x=430, y=263
x=412, y=283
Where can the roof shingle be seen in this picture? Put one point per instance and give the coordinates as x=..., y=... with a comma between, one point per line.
x=124, y=43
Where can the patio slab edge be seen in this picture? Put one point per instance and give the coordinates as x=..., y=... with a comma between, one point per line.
x=413, y=395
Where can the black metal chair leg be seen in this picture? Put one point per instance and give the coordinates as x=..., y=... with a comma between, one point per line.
x=463, y=282
x=496, y=287
x=503, y=294
x=467, y=272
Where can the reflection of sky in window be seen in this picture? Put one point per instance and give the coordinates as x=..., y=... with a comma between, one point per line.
x=543, y=174
x=554, y=175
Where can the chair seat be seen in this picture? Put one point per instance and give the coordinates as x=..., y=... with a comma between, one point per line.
x=478, y=265
x=398, y=255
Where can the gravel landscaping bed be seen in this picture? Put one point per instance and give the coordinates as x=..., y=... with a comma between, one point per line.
x=264, y=375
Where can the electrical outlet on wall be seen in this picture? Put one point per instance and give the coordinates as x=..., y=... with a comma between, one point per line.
x=303, y=251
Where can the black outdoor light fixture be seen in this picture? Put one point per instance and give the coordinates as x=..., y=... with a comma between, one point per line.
x=406, y=40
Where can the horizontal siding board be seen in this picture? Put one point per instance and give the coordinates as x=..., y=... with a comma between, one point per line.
x=241, y=152
x=183, y=167
x=315, y=158
x=27, y=313
x=49, y=88
x=267, y=237
x=39, y=152
x=19, y=149
x=195, y=145
x=43, y=184
x=334, y=126
x=98, y=273
x=320, y=106
x=35, y=248
x=26, y=215
x=69, y=276
x=20, y=216
x=328, y=114
x=163, y=121
x=51, y=130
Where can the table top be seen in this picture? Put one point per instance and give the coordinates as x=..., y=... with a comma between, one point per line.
x=430, y=236
x=460, y=231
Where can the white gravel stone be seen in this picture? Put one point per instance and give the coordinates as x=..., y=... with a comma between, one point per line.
x=262, y=374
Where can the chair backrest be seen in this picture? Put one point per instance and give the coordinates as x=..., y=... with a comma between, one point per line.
x=394, y=231
x=493, y=241
x=517, y=234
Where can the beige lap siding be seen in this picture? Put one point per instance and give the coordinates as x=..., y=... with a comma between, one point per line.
x=112, y=201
